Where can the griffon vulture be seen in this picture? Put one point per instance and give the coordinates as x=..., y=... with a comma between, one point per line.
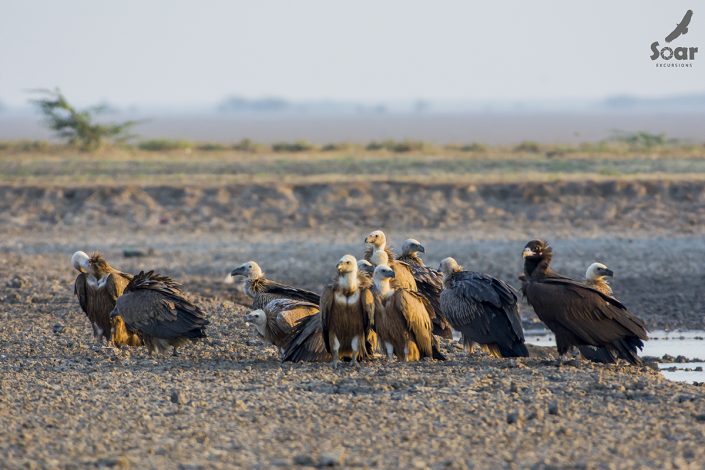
x=347, y=313
x=154, y=307
x=307, y=342
x=596, y=275
x=410, y=250
x=402, y=320
x=579, y=315
x=275, y=323
x=483, y=309
x=377, y=252
x=263, y=291
x=97, y=287
x=429, y=283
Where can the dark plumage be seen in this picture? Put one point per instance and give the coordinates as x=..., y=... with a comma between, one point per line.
x=155, y=307
x=276, y=322
x=483, y=309
x=307, y=342
x=98, y=287
x=578, y=314
x=262, y=290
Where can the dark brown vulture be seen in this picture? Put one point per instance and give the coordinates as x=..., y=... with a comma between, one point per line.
x=275, y=323
x=154, y=307
x=483, y=309
x=347, y=313
x=97, y=287
x=377, y=252
x=595, y=277
x=579, y=315
x=402, y=320
x=307, y=344
x=263, y=291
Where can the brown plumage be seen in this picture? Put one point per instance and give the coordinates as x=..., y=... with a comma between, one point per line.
x=377, y=252
x=307, y=342
x=262, y=290
x=98, y=287
x=276, y=322
x=154, y=307
x=402, y=320
x=579, y=315
x=347, y=313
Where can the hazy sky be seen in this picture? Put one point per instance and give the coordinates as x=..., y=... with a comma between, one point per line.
x=183, y=53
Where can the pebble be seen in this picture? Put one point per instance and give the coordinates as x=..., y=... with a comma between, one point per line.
x=178, y=397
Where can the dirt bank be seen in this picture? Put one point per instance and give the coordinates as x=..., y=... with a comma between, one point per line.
x=559, y=208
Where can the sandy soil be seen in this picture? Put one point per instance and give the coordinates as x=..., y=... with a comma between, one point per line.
x=227, y=402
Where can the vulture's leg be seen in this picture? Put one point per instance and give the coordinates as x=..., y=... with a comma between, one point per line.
x=390, y=350
x=174, y=352
x=335, y=347
x=406, y=352
x=355, y=344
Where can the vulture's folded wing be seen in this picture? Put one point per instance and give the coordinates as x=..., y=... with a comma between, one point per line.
x=326, y=307
x=413, y=308
x=80, y=290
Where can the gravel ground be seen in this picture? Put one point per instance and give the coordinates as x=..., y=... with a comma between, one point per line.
x=227, y=402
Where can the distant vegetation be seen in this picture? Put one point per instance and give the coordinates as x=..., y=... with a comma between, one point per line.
x=79, y=127
x=621, y=143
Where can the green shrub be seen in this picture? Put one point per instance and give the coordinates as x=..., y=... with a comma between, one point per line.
x=298, y=146
x=78, y=127
x=211, y=147
x=397, y=146
x=337, y=147
x=164, y=145
x=25, y=145
x=528, y=146
x=247, y=145
x=474, y=147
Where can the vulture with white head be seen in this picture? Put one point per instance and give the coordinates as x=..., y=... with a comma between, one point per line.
x=578, y=314
x=347, y=313
x=377, y=252
x=596, y=275
x=483, y=309
x=276, y=322
x=402, y=320
x=262, y=290
x=98, y=287
x=156, y=308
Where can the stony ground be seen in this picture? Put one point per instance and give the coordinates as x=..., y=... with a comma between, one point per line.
x=228, y=402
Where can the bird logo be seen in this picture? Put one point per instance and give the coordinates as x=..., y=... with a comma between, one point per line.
x=681, y=28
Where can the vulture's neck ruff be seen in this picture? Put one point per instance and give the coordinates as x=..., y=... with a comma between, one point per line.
x=348, y=283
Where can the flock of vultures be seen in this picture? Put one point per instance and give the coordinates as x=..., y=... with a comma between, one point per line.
x=382, y=304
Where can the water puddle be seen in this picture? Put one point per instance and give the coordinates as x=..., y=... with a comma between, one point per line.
x=681, y=346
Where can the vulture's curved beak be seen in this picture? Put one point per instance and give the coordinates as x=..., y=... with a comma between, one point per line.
x=420, y=249
x=391, y=274
x=607, y=272
x=527, y=252
x=367, y=240
x=239, y=271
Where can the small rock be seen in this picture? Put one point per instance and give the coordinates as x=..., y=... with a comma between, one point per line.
x=303, y=459
x=514, y=417
x=418, y=463
x=513, y=388
x=178, y=397
x=18, y=282
x=553, y=408
x=330, y=459
x=58, y=328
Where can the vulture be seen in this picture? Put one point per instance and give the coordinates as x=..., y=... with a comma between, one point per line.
x=483, y=309
x=155, y=308
x=347, y=313
x=578, y=314
x=429, y=283
x=402, y=320
x=275, y=323
x=377, y=252
x=410, y=250
x=97, y=287
x=595, y=277
x=263, y=291
x=307, y=342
